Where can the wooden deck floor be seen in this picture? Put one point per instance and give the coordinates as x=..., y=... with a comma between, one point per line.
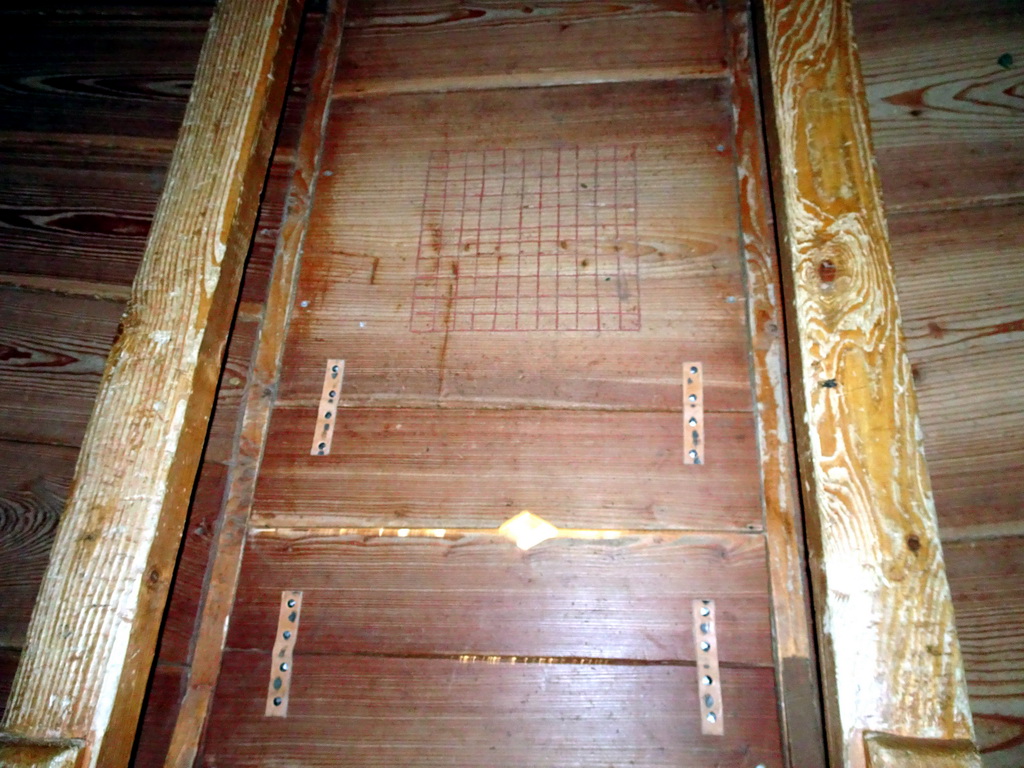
x=526, y=222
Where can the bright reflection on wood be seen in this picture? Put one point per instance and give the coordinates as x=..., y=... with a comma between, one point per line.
x=526, y=530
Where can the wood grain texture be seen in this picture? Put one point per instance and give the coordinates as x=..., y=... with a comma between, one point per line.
x=476, y=468
x=945, y=114
x=360, y=263
x=389, y=712
x=158, y=714
x=258, y=268
x=52, y=352
x=193, y=561
x=8, y=665
x=76, y=215
x=226, y=555
x=792, y=622
x=987, y=579
x=234, y=379
x=115, y=548
x=34, y=481
x=256, y=279
x=99, y=9
x=72, y=214
x=169, y=675
x=891, y=657
x=444, y=45
x=887, y=751
x=960, y=276
x=52, y=349
x=617, y=599
x=127, y=75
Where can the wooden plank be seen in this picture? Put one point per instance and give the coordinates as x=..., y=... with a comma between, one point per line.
x=234, y=379
x=431, y=713
x=358, y=273
x=967, y=353
x=112, y=76
x=440, y=45
x=891, y=659
x=71, y=214
x=8, y=666
x=477, y=468
x=943, y=110
x=987, y=579
x=479, y=594
x=304, y=69
x=76, y=221
x=33, y=484
x=158, y=715
x=34, y=481
x=226, y=556
x=52, y=351
x=169, y=9
x=175, y=646
x=792, y=623
x=256, y=280
x=85, y=215
x=115, y=549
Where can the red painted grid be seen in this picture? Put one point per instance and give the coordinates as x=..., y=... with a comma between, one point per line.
x=529, y=240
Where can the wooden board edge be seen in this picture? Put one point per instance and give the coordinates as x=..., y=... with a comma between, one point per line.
x=93, y=633
x=883, y=750
x=226, y=554
x=355, y=89
x=792, y=623
x=890, y=657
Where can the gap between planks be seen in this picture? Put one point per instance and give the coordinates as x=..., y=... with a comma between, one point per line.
x=356, y=90
x=487, y=658
x=590, y=534
x=451, y=404
x=949, y=204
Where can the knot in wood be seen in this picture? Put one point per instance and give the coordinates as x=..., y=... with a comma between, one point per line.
x=827, y=271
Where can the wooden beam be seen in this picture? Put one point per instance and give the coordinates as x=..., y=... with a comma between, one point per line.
x=803, y=740
x=887, y=751
x=226, y=558
x=82, y=678
x=890, y=655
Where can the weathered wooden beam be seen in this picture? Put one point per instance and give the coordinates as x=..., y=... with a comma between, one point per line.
x=887, y=751
x=82, y=677
x=226, y=559
x=890, y=655
x=803, y=740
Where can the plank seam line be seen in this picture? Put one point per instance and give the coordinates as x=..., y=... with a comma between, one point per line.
x=409, y=86
x=482, y=658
